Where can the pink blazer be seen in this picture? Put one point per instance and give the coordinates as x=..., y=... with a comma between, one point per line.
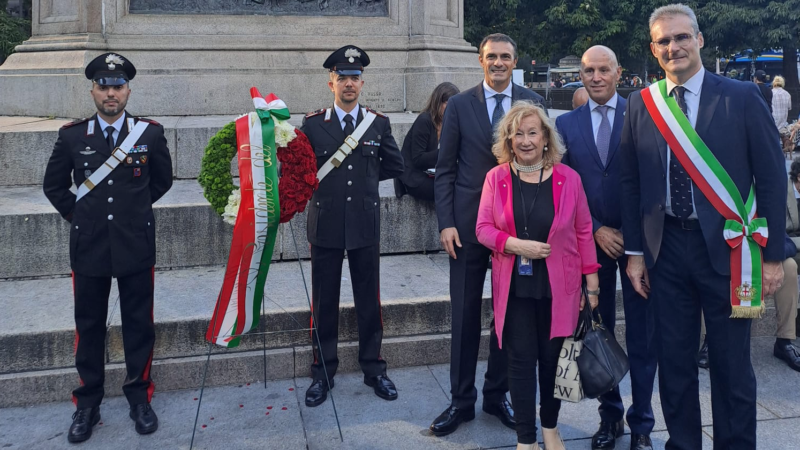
x=571, y=242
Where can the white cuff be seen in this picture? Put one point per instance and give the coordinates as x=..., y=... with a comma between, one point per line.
x=634, y=253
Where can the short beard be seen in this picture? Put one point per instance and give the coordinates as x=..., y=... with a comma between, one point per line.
x=111, y=112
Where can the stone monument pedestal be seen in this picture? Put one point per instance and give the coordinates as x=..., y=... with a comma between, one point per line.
x=193, y=62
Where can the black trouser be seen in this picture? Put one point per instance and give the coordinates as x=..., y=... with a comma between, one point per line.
x=639, y=330
x=138, y=335
x=683, y=283
x=424, y=191
x=526, y=338
x=326, y=282
x=467, y=274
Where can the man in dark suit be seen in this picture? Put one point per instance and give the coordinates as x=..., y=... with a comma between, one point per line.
x=760, y=79
x=591, y=136
x=344, y=215
x=678, y=256
x=465, y=156
x=112, y=234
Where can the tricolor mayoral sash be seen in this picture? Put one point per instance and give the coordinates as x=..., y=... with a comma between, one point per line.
x=744, y=232
x=238, y=306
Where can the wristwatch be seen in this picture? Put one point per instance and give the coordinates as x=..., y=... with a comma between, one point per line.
x=594, y=292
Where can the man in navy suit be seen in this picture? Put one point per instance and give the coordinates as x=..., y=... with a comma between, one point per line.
x=465, y=156
x=591, y=135
x=678, y=257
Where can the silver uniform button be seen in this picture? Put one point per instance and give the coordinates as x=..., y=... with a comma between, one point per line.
x=349, y=167
x=76, y=227
x=376, y=203
x=110, y=199
x=371, y=153
x=148, y=224
x=110, y=217
x=85, y=164
x=349, y=183
x=348, y=199
x=110, y=182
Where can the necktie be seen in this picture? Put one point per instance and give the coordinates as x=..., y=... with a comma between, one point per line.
x=348, y=125
x=603, y=134
x=110, y=137
x=680, y=185
x=499, y=112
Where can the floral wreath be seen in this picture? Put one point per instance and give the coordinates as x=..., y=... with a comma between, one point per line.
x=298, y=165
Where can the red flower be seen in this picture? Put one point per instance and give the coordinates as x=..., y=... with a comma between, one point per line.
x=298, y=176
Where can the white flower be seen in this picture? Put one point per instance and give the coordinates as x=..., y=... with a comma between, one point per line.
x=232, y=208
x=284, y=133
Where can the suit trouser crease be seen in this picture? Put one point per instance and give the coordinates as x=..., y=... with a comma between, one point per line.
x=138, y=336
x=467, y=276
x=639, y=329
x=683, y=282
x=326, y=276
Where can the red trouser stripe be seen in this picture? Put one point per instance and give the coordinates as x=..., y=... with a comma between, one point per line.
x=77, y=338
x=146, y=374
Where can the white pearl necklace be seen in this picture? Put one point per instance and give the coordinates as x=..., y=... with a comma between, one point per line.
x=534, y=168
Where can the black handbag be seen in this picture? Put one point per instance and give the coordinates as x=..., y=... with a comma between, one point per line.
x=602, y=362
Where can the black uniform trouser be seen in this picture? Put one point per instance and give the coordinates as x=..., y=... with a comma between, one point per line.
x=683, y=283
x=138, y=335
x=467, y=275
x=326, y=282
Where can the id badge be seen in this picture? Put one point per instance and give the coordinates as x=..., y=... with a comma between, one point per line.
x=524, y=267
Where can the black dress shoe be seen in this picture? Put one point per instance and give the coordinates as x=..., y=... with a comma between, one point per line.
x=383, y=386
x=503, y=411
x=702, y=355
x=607, y=434
x=641, y=442
x=789, y=353
x=317, y=393
x=145, y=418
x=82, y=422
x=450, y=419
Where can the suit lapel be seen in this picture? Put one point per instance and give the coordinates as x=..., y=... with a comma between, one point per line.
x=479, y=105
x=709, y=97
x=616, y=130
x=334, y=127
x=585, y=124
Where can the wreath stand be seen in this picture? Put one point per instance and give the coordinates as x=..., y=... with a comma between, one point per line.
x=299, y=181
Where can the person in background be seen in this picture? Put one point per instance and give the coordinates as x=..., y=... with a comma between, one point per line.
x=781, y=104
x=421, y=146
x=579, y=98
x=535, y=219
x=760, y=80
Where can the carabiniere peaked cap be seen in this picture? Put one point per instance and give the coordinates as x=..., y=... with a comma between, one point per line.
x=348, y=60
x=110, y=69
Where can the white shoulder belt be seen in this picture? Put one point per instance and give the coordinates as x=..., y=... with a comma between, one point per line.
x=350, y=142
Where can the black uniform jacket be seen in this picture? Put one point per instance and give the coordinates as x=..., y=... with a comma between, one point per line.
x=112, y=229
x=345, y=211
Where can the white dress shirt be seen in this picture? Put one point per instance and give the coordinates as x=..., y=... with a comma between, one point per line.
x=491, y=102
x=341, y=113
x=117, y=126
x=597, y=117
x=691, y=96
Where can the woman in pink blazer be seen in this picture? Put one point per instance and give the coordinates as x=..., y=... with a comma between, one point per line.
x=534, y=217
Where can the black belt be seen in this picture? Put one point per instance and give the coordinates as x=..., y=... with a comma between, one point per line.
x=688, y=224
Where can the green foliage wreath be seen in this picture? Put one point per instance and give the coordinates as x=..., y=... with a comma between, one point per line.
x=215, y=172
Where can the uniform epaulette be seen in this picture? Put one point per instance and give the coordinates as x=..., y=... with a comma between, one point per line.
x=315, y=113
x=150, y=121
x=75, y=122
x=377, y=113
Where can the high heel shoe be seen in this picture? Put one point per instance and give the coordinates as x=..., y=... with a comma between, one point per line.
x=552, y=439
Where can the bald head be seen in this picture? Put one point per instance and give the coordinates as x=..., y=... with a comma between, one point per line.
x=579, y=98
x=600, y=73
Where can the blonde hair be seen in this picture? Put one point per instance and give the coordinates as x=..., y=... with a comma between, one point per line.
x=504, y=135
x=778, y=81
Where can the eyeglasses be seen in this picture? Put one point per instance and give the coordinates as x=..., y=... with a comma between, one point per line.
x=680, y=40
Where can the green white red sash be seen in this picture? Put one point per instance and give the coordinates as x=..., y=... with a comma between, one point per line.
x=744, y=232
x=239, y=303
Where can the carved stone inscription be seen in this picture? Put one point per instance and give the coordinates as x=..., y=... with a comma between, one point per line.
x=359, y=8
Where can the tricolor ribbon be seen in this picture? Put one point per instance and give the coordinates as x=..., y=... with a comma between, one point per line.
x=255, y=231
x=744, y=232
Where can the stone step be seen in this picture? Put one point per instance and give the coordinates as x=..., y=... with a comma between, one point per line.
x=27, y=142
x=188, y=232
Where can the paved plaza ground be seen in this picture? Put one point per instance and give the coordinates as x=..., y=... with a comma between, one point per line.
x=251, y=417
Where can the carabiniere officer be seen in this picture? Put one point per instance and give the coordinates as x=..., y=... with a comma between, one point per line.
x=344, y=215
x=112, y=234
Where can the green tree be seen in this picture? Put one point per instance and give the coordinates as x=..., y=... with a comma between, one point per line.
x=734, y=25
x=13, y=31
